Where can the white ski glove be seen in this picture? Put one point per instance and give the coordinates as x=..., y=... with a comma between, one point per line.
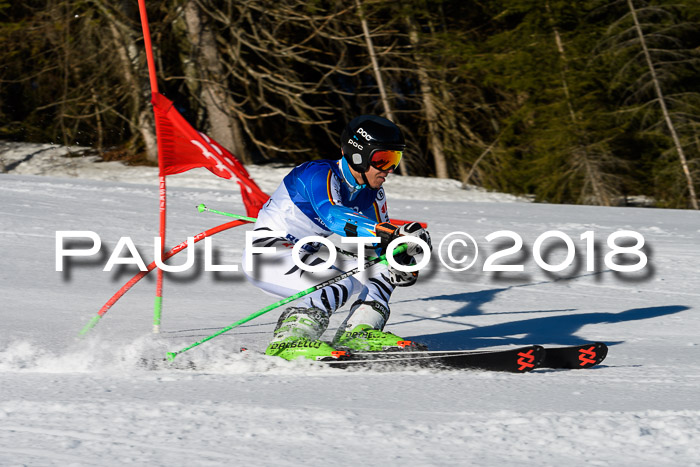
x=414, y=229
x=388, y=232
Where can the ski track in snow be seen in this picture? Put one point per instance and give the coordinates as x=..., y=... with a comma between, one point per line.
x=110, y=399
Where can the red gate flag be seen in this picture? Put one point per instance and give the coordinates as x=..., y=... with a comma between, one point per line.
x=181, y=148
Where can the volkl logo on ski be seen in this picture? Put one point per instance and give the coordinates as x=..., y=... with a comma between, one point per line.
x=526, y=360
x=587, y=356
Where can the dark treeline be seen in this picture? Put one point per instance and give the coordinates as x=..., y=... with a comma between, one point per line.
x=570, y=101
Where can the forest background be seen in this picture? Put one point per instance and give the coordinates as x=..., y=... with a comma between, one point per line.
x=590, y=102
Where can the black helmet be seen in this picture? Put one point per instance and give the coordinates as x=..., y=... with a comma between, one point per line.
x=367, y=134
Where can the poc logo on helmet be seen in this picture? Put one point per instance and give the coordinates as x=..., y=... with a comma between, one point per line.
x=354, y=143
x=364, y=134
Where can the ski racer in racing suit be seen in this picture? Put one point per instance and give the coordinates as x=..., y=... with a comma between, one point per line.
x=321, y=198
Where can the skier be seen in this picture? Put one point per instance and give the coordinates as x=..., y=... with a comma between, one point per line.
x=344, y=197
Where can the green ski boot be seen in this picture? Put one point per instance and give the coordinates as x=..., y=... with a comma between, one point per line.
x=297, y=333
x=367, y=339
x=292, y=348
x=362, y=331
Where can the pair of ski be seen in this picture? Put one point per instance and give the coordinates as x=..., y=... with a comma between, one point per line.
x=519, y=360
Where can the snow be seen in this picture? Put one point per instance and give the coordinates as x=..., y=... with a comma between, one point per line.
x=90, y=401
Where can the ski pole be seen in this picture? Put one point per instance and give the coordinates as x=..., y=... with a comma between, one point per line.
x=203, y=208
x=400, y=249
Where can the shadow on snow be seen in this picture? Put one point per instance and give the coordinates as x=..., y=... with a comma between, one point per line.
x=557, y=330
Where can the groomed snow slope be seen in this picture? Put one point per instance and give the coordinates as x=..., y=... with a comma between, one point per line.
x=69, y=401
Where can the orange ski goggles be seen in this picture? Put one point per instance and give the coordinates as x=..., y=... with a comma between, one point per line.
x=385, y=160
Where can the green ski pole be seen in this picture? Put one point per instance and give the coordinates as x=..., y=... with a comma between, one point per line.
x=203, y=208
x=171, y=355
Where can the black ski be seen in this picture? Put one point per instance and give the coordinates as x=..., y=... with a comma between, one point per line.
x=575, y=356
x=517, y=360
x=520, y=360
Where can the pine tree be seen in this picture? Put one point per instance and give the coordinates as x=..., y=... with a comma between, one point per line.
x=654, y=52
x=558, y=140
